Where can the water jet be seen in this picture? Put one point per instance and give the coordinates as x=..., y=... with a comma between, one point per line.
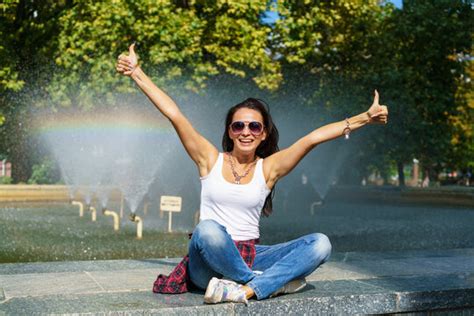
x=121, y=204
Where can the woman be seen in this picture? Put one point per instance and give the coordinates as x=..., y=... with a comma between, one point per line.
x=236, y=187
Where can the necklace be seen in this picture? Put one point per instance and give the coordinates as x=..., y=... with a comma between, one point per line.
x=237, y=177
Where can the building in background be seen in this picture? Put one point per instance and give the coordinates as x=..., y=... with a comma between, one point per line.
x=5, y=168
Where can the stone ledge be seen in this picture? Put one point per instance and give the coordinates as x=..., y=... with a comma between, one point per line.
x=350, y=283
x=455, y=196
x=78, y=266
x=325, y=297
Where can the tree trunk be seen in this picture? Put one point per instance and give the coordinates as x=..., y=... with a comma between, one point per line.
x=401, y=175
x=385, y=176
x=19, y=149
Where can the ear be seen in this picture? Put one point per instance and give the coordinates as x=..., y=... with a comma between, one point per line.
x=264, y=134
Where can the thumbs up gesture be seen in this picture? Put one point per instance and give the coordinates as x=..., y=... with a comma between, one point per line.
x=378, y=114
x=126, y=64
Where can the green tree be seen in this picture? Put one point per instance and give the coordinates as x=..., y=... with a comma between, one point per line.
x=29, y=30
x=9, y=80
x=413, y=56
x=45, y=172
x=188, y=39
x=337, y=47
x=462, y=121
x=431, y=37
x=325, y=54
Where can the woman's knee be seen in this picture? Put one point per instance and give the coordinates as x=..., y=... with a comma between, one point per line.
x=209, y=232
x=321, y=245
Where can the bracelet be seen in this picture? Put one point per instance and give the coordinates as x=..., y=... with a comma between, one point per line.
x=347, y=130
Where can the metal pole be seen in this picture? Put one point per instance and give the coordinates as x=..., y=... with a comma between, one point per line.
x=121, y=205
x=169, y=221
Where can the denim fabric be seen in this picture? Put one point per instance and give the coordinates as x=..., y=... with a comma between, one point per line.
x=282, y=263
x=212, y=253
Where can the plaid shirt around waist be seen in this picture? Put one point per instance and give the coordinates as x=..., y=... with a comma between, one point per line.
x=178, y=281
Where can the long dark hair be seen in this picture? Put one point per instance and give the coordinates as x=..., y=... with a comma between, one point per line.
x=266, y=147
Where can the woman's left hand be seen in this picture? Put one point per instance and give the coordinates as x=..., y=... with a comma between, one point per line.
x=378, y=113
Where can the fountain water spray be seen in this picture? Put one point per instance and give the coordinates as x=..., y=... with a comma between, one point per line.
x=130, y=149
x=136, y=171
x=122, y=202
x=103, y=151
x=146, y=204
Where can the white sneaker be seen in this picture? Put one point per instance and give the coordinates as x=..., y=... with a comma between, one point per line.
x=219, y=291
x=291, y=287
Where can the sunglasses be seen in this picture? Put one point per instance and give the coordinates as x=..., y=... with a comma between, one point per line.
x=237, y=127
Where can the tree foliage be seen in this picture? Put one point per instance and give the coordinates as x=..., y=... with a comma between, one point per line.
x=8, y=74
x=29, y=33
x=433, y=38
x=46, y=172
x=192, y=39
x=325, y=54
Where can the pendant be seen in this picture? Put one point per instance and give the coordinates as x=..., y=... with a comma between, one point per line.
x=237, y=182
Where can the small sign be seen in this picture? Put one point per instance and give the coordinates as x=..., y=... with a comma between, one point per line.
x=170, y=203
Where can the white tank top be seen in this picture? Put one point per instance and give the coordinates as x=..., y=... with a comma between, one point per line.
x=237, y=207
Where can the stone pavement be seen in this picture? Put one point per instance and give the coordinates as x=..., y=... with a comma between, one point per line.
x=439, y=281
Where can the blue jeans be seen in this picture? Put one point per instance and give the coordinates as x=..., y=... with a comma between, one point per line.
x=212, y=253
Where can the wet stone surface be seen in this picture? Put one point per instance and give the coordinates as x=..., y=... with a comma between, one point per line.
x=350, y=283
x=77, y=266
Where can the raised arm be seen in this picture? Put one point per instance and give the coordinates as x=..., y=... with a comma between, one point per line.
x=281, y=163
x=201, y=151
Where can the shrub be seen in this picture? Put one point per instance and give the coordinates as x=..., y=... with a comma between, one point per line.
x=44, y=173
x=6, y=180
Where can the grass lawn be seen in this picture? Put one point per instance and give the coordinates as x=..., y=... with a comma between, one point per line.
x=55, y=232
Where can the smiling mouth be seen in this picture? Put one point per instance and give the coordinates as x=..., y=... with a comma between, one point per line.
x=245, y=141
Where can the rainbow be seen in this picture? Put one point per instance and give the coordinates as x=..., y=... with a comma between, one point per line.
x=121, y=122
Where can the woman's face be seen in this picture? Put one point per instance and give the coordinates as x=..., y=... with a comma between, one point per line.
x=247, y=140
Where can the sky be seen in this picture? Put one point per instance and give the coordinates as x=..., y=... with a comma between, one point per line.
x=397, y=3
x=269, y=17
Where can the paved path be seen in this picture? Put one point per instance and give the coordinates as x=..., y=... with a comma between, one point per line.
x=350, y=283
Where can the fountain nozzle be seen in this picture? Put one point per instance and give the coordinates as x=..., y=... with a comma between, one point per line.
x=93, y=212
x=81, y=207
x=115, y=217
x=314, y=205
x=137, y=219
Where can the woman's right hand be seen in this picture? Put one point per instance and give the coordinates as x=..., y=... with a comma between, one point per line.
x=126, y=64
